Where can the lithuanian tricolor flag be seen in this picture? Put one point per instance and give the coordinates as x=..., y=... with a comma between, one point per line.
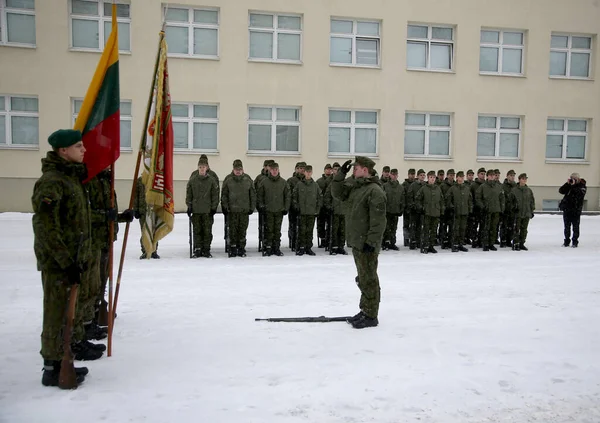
x=99, y=117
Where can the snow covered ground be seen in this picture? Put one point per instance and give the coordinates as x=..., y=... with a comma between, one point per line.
x=464, y=337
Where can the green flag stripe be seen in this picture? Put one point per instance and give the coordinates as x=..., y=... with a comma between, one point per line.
x=108, y=99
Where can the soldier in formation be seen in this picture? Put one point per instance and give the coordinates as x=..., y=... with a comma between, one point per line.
x=274, y=200
x=395, y=198
x=306, y=203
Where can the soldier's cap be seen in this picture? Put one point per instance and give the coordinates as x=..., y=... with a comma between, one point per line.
x=394, y=171
x=470, y=172
x=237, y=164
x=523, y=176
x=510, y=172
x=421, y=171
x=266, y=162
x=274, y=165
x=450, y=172
x=440, y=172
x=431, y=173
x=461, y=174
x=497, y=171
x=364, y=162
x=327, y=166
x=202, y=162
x=308, y=168
x=335, y=164
x=64, y=138
x=490, y=172
x=302, y=164
x=481, y=170
x=385, y=169
x=411, y=171
x=297, y=165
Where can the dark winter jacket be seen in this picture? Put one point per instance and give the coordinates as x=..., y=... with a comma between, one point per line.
x=522, y=201
x=395, y=197
x=430, y=200
x=274, y=194
x=202, y=194
x=490, y=197
x=238, y=195
x=411, y=194
x=574, y=194
x=307, y=199
x=507, y=187
x=458, y=200
x=474, y=188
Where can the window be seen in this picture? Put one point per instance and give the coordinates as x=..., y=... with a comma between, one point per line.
x=275, y=38
x=192, y=32
x=570, y=56
x=430, y=47
x=354, y=43
x=19, y=121
x=17, y=22
x=566, y=139
x=353, y=132
x=427, y=134
x=274, y=129
x=125, y=111
x=195, y=126
x=498, y=136
x=550, y=205
x=501, y=52
x=91, y=21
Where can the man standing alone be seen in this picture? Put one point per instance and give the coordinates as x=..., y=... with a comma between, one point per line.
x=365, y=224
x=571, y=205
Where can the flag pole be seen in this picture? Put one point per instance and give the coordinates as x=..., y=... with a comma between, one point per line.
x=137, y=168
x=111, y=236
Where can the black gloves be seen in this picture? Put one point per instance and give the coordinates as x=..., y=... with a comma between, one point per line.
x=73, y=274
x=126, y=216
x=137, y=214
x=189, y=211
x=111, y=214
x=368, y=248
x=532, y=215
x=346, y=167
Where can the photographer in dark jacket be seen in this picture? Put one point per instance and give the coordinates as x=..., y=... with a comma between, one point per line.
x=571, y=205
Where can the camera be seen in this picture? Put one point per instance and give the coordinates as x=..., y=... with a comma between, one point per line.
x=571, y=180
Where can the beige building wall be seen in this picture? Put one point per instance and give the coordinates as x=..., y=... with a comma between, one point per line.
x=56, y=74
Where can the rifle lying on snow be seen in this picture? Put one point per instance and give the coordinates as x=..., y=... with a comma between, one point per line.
x=320, y=319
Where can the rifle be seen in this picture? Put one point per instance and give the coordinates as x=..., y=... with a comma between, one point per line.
x=297, y=231
x=330, y=233
x=515, y=228
x=67, y=379
x=190, y=236
x=226, y=231
x=291, y=229
x=320, y=319
x=261, y=235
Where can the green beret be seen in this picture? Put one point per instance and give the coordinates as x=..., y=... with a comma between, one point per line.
x=481, y=169
x=510, y=172
x=394, y=171
x=420, y=171
x=308, y=168
x=460, y=174
x=274, y=165
x=327, y=166
x=411, y=171
x=491, y=172
x=64, y=138
x=364, y=162
x=450, y=172
x=431, y=173
x=335, y=164
x=385, y=169
x=523, y=176
x=470, y=172
x=237, y=164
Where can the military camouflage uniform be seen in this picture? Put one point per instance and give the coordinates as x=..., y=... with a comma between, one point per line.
x=292, y=215
x=62, y=229
x=140, y=208
x=459, y=205
x=365, y=224
x=337, y=232
x=395, y=199
x=306, y=202
x=475, y=229
x=274, y=201
x=522, y=201
x=406, y=216
x=323, y=218
x=490, y=199
x=430, y=201
x=238, y=200
x=202, y=197
x=416, y=216
x=446, y=219
x=508, y=217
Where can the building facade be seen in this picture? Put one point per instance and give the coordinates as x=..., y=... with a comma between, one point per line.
x=459, y=84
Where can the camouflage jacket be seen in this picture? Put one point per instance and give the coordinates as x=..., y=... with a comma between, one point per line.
x=459, y=199
x=395, y=197
x=202, y=194
x=430, y=200
x=490, y=197
x=412, y=193
x=139, y=200
x=507, y=187
x=274, y=194
x=307, y=198
x=522, y=201
x=61, y=220
x=238, y=195
x=331, y=203
x=99, y=193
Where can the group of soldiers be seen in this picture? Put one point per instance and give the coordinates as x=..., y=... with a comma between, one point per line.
x=449, y=209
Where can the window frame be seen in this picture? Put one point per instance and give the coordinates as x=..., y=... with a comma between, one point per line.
x=101, y=19
x=273, y=123
x=565, y=135
x=429, y=41
x=126, y=118
x=275, y=31
x=354, y=36
x=498, y=130
x=191, y=120
x=352, y=125
x=4, y=10
x=191, y=25
x=427, y=128
x=569, y=50
x=500, y=46
x=7, y=113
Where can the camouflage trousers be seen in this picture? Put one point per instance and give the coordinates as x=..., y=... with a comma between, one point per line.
x=238, y=227
x=323, y=223
x=88, y=292
x=459, y=230
x=446, y=229
x=202, y=223
x=391, y=227
x=305, y=232
x=507, y=220
x=292, y=229
x=430, y=225
x=338, y=231
x=406, y=227
x=490, y=229
x=56, y=298
x=416, y=226
x=520, y=235
x=272, y=224
x=367, y=281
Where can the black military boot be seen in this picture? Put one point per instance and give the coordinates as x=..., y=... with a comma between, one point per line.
x=493, y=248
x=516, y=246
x=393, y=247
x=342, y=251
x=300, y=252
x=310, y=252
x=365, y=322
x=333, y=250
x=93, y=331
x=462, y=248
x=155, y=255
x=277, y=251
x=432, y=250
x=502, y=244
x=143, y=256
x=575, y=244
x=455, y=249
x=356, y=317
x=267, y=252
x=486, y=248
x=52, y=373
x=197, y=253
x=567, y=243
x=232, y=251
x=523, y=247
x=82, y=352
x=241, y=252
x=206, y=253
x=413, y=246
